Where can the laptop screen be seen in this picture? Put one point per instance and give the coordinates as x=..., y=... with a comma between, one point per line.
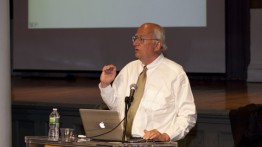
x=102, y=124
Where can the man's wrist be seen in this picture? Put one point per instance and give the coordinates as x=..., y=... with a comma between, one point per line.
x=164, y=137
x=103, y=84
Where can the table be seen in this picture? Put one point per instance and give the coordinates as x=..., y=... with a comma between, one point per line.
x=42, y=141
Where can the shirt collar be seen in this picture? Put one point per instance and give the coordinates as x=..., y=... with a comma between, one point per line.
x=155, y=63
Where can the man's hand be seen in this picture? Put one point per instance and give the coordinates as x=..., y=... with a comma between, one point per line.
x=156, y=135
x=108, y=75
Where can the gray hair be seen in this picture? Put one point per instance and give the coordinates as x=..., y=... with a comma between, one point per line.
x=159, y=33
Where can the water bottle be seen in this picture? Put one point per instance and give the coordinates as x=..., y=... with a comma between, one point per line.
x=53, y=133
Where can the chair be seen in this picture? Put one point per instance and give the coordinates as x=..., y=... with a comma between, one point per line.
x=246, y=126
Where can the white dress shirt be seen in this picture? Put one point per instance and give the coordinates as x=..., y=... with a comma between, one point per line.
x=167, y=104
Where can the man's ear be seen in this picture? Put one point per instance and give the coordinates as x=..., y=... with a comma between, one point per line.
x=158, y=46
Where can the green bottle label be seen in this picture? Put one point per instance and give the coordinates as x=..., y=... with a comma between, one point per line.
x=52, y=120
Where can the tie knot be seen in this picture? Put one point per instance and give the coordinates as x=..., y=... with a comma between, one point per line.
x=144, y=69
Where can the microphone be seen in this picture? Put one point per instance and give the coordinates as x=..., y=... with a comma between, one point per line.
x=132, y=91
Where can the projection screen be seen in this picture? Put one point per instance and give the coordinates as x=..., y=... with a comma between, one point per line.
x=84, y=35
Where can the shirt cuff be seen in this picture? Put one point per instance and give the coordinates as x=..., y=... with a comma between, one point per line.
x=106, y=90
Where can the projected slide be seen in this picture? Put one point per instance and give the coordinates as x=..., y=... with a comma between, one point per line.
x=115, y=13
x=85, y=35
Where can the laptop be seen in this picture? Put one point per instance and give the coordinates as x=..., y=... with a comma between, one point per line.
x=104, y=125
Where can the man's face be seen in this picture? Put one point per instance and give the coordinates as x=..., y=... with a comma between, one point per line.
x=146, y=45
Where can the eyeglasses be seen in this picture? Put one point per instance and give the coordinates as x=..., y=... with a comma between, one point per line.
x=141, y=39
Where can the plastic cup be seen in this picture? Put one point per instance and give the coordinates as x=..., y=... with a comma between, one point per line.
x=67, y=134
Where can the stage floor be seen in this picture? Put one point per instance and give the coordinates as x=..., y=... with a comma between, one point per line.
x=209, y=95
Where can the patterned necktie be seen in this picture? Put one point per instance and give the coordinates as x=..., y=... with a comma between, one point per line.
x=137, y=98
